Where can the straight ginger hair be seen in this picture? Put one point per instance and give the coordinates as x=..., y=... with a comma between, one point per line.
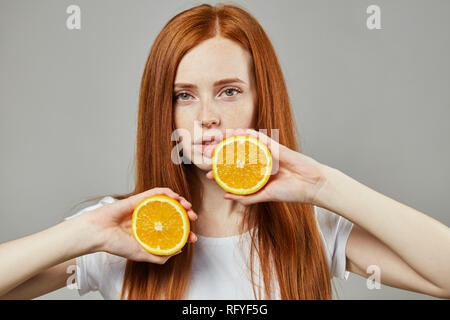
x=285, y=235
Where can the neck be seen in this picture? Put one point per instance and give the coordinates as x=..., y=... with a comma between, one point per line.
x=217, y=217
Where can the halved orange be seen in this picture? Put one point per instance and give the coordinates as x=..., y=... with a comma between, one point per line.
x=241, y=164
x=160, y=224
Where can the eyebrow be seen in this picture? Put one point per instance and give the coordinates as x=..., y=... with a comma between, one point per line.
x=216, y=84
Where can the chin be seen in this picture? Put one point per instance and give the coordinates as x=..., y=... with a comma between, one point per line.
x=203, y=166
x=202, y=163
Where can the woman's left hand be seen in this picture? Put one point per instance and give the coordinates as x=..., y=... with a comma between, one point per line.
x=295, y=177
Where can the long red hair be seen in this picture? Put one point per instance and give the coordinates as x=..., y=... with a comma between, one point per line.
x=284, y=236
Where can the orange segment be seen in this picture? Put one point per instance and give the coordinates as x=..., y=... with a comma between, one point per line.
x=160, y=224
x=241, y=164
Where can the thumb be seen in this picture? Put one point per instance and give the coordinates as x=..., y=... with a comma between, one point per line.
x=173, y=254
x=160, y=259
x=246, y=199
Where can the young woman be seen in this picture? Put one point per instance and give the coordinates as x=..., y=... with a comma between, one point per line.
x=212, y=69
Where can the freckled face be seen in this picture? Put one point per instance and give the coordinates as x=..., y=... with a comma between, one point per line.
x=214, y=90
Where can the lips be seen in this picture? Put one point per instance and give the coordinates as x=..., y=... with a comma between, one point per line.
x=206, y=139
x=203, y=144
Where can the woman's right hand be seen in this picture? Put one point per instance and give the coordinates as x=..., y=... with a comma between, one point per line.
x=112, y=223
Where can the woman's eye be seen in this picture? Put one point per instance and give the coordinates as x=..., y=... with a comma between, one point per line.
x=230, y=92
x=183, y=96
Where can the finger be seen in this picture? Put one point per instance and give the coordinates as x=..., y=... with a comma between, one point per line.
x=209, y=151
x=261, y=137
x=270, y=143
x=169, y=192
x=130, y=203
x=192, y=215
x=239, y=131
x=192, y=237
x=186, y=204
x=229, y=133
x=246, y=199
x=210, y=175
x=174, y=254
x=163, y=259
x=136, y=199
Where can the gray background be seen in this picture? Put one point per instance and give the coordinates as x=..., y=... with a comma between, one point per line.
x=372, y=103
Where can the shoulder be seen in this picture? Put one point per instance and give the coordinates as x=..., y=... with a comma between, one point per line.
x=104, y=201
x=100, y=271
x=329, y=222
x=334, y=231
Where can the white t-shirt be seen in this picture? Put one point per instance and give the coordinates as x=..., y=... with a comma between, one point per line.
x=219, y=270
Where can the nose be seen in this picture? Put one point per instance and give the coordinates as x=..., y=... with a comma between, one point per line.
x=208, y=123
x=208, y=117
